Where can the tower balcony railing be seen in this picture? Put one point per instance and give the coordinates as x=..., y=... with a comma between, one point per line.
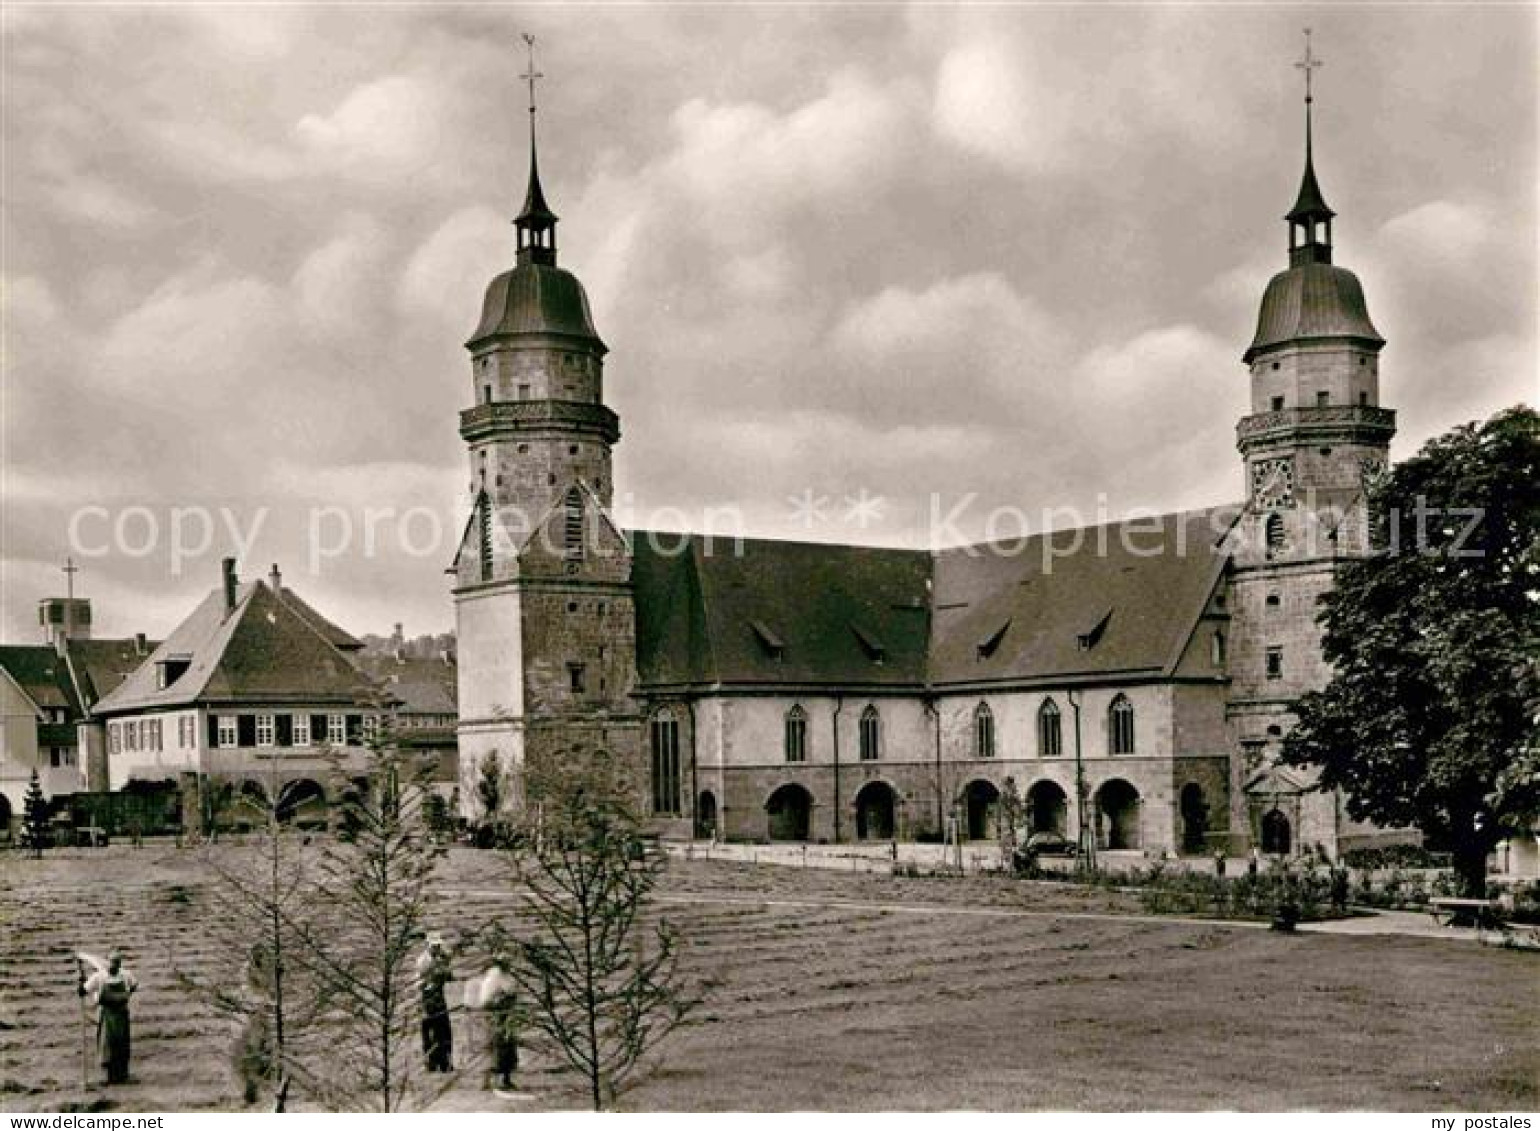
x=486, y=420
x=1343, y=421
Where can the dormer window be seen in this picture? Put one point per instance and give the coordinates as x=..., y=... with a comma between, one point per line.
x=170, y=669
x=773, y=645
x=874, y=649
x=991, y=643
x=1092, y=635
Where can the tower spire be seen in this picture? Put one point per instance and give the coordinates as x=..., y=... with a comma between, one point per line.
x=1310, y=218
x=536, y=223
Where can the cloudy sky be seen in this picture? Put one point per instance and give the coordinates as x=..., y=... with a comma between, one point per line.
x=1011, y=254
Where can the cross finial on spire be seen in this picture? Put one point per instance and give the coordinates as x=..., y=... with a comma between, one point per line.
x=69, y=569
x=536, y=224
x=1308, y=64
x=531, y=75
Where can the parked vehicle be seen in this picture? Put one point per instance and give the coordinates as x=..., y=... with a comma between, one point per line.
x=1051, y=844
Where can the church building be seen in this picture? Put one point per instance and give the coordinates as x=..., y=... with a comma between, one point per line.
x=1130, y=683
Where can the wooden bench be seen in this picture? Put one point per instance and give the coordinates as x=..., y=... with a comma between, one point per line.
x=1449, y=912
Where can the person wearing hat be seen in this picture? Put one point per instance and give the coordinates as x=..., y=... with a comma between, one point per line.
x=433, y=975
x=110, y=989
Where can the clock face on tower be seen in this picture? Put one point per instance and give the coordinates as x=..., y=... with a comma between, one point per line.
x=1272, y=482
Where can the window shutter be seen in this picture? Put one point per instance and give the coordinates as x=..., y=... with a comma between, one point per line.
x=246, y=730
x=285, y=730
x=213, y=730
x=318, y=730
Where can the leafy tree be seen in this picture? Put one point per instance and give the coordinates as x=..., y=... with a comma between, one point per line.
x=1429, y=719
x=602, y=984
x=34, y=817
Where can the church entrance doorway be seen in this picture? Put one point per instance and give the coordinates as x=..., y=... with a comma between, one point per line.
x=1277, y=834
x=874, y=811
x=1117, y=811
x=1194, y=818
x=1047, y=808
x=706, y=816
x=982, y=799
x=790, y=813
x=5, y=817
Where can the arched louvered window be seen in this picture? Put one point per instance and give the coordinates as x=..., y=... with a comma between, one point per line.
x=572, y=530
x=796, y=734
x=871, y=734
x=983, y=731
x=1050, y=732
x=665, y=763
x=1120, y=726
x=484, y=536
x=1274, y=534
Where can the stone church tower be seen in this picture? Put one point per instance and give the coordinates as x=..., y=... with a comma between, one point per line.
x=543, y=601
x=1315, y=434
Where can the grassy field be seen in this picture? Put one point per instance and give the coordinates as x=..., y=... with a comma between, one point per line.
x=843, y=991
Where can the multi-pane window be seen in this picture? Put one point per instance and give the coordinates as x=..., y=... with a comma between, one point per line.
x=796, y=735
x=1120, y=726
x=983, y=731
x=265, y=729
x=301, y=730
x=1050, y=731
x=337, y=730
x=665, y=763
x=115, y=738
x=371, y=727
x=870, y=735
x=227, y=731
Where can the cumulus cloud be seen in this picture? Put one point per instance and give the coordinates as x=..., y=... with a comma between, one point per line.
x=1010, y=252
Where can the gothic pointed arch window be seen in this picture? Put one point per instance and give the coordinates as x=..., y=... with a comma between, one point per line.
x=871, y=734
x=572, y=524
x=983, y=731
x=664, y=733
x=1120, y=726
x=1050, y=730
x=796, y=734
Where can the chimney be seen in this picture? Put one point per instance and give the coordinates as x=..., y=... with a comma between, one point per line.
x=141, y=645
x=275, y=579
x=230, y=582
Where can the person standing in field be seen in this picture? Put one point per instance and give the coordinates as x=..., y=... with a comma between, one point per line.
x=433, y=975
x=110, y=990
x=495, y=995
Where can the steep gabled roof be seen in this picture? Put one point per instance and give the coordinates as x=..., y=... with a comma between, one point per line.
x=1118, y=600
x=417, y=684
x=100, y=666
x=338, y=637
x=264, y=650
x=706, y=612
x=40, y=672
